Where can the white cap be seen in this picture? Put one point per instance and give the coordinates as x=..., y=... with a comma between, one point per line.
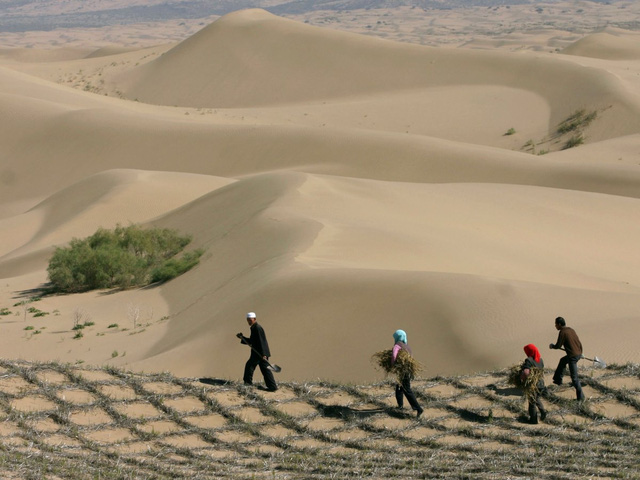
x=251, y=315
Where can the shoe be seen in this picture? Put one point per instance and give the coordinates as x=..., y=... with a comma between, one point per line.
x=272, y=389
x=557, y=382
x=543, y=415
x=419, y=412
x=533, y=420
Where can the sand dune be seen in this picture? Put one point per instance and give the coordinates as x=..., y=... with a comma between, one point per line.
x=386, y=254
x=343, y=186
x=252, y=58
x=102, y=200
x=606, y=46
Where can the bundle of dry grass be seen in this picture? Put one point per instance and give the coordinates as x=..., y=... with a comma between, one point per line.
x=528, y=383
x=404, y=365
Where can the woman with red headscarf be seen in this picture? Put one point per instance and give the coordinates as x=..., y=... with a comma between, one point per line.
x=534, y=360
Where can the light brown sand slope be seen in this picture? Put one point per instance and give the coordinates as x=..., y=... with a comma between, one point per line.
x=606, y=46
x=384, y=255
x=255, y=58
x=345, y=199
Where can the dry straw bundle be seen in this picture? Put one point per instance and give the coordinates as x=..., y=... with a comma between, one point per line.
x=528, y=384
x=405, y=364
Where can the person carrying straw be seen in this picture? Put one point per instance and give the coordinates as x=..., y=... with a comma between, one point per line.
x=403, y=388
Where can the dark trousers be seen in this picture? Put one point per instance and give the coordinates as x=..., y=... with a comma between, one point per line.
x=405, y=389
x=536, y=402
x=250, y=366
x=572, y=361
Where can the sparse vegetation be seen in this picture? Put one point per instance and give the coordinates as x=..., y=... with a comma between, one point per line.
x=574, y=141
x=36, y=312
x=121, y=258
x=573, y=125
x=511, y=131
x=133, y=312
x=80, y=317
x=24, y=304
x=82, y=326
x=4, y=311
x=577, y=120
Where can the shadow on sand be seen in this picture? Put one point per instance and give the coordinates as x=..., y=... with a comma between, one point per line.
x=214, y=381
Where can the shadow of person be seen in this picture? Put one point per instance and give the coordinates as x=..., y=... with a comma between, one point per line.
x=214, y=381
x=507, y=392
x=347, y=413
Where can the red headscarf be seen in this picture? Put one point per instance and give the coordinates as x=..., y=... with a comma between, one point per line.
x=532, y=351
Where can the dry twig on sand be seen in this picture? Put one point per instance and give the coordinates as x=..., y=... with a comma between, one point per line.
x=404, y=365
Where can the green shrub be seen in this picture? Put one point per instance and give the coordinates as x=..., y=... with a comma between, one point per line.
x=175, y=267
x=578, y=119
x=573, y=142
x=5, y=311
x=80, y=326
x=121, y=258
x=511, y=131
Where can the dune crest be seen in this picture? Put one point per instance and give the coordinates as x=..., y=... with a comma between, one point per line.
x=252, y=58
x=606, y=46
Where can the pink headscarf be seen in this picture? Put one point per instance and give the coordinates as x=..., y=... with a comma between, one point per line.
x=532, y=351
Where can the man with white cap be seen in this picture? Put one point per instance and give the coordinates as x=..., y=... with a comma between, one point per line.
x=259, y=354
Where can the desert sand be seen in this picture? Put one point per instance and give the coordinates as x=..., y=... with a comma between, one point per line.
x=343, y=186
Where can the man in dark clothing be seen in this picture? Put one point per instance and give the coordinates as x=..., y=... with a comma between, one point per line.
x=569, y=341
x=259, y=354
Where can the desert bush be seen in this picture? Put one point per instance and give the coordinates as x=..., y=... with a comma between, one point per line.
x=574, y=141
x=511, y=131
x=175, y=267
x=578, y=119
x=121, y=258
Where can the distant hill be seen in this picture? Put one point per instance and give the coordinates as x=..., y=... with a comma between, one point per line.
x=28, y=15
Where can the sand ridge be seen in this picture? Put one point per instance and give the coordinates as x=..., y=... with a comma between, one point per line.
x=342, y=185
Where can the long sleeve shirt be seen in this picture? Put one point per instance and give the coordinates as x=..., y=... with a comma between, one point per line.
x=568, y=339
x=258, y=340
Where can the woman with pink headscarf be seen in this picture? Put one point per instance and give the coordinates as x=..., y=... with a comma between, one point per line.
x=403, y=389
x=534, y=360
